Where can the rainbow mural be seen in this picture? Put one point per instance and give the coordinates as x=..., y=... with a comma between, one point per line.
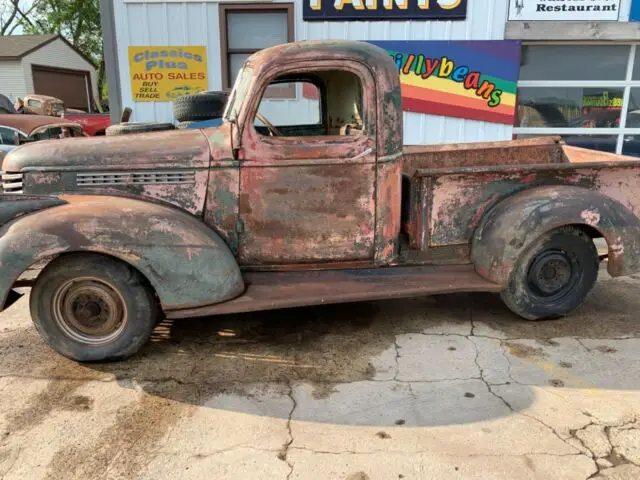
x=465, y=79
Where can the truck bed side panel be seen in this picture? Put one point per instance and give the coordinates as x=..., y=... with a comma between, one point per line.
x=546, y=150
x=457, y=201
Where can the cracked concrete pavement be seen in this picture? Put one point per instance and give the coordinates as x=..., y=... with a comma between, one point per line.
x=438, y=387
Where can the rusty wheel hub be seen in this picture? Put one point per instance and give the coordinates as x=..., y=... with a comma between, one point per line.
x=90, y=311
x=553, y=274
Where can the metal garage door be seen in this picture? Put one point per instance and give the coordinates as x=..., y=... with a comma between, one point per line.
x=71, y=86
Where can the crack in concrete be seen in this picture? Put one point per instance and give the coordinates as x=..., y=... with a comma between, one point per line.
x=510, y=407
x=613, y=457
x=284, y=453
x=397, y=349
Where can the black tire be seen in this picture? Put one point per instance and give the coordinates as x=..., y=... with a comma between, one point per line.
x=553, y=276
x=201, y=106
x=131, y=128
x=78, y=296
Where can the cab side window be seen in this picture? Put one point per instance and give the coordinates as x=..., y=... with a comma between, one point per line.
x=326, y=103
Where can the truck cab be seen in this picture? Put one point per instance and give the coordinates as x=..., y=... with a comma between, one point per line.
x=326, y=189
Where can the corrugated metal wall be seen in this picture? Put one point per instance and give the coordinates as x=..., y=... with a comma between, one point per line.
x=12, y=83
x=197, y=23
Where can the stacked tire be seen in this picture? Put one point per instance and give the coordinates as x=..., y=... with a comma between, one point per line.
x=199, y=107
x=187, y=110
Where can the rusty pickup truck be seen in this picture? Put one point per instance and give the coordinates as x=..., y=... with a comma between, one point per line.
x=260, y=214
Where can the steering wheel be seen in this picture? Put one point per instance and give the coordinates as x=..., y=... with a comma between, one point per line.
x=272, y=130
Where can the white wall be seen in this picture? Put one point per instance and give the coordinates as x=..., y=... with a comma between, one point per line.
x=190, y=22
x=59, y=55
x=12, y=83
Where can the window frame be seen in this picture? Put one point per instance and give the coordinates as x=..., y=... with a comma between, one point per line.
x=294, y=81
x=626, y=85
x=274, y=145
x=225, y=53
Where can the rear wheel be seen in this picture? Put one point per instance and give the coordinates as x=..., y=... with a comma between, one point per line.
x=553, y=276
x=93, y=308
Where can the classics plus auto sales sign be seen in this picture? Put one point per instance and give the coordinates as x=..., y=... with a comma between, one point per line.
x=563, y=10
x=162, y=74
x=340, y=10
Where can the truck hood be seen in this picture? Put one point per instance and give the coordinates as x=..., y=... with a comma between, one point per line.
x=169, y=149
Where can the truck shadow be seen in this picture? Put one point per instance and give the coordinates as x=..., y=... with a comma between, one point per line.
x=426, y=361
x=431, y=358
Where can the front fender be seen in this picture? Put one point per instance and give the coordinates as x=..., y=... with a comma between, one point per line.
x=186, y=262
x=510, y=227
x=16, y=205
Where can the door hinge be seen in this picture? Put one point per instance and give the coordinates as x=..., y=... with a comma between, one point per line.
x=239, y=226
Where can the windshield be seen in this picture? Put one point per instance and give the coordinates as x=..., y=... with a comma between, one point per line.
x=239, y=92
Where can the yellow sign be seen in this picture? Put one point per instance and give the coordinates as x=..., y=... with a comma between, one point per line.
x=162, y=74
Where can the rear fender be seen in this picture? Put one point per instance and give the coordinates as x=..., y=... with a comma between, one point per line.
x=186, y=262
x=511, y=226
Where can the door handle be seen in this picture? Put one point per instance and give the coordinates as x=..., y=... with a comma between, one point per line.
x=363, y=154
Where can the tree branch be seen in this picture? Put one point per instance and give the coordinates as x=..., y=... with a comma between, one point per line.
x=5, y=26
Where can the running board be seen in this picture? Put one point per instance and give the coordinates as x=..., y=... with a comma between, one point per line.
x=272, y=290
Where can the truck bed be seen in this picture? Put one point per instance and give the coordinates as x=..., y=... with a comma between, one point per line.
x=452, y=186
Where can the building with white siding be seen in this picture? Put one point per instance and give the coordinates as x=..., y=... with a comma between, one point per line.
x=577, y=74
x=47, y=65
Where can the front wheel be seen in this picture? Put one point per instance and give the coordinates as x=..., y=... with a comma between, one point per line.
x=93, y=308
x=553, y=276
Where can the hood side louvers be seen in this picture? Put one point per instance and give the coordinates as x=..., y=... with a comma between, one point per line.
x=135, y=178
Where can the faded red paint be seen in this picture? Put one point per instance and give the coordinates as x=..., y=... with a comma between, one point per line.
x=292, y=210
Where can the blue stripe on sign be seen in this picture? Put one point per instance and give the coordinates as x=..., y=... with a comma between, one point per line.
x=486, y=62
x=634, y=16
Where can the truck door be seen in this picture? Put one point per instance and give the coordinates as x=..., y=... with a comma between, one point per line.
x=308, y=169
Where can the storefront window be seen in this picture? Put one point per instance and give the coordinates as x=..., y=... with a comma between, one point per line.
x=570, y=107
x=248, y=28
x=560, y=92
x=574, y=62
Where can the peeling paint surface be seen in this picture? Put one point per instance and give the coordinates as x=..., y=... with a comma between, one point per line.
x=590, y=217
x=297, y=214
x=185, y=261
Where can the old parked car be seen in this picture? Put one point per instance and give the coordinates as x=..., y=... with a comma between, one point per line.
x=94, y=124
x=263, y=214
x=20, y=129
x=5, y=105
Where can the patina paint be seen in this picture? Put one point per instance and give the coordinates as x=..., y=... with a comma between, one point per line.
x=307, y=213
x=223, y=192
x=509, y=228
x=312, y=199
x=137, y=161
x=388, y=203
x=184, y=260
x=310, y=203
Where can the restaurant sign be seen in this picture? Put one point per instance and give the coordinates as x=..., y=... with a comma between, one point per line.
x=564, y=10
x=162, y=74
x=340, y=10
